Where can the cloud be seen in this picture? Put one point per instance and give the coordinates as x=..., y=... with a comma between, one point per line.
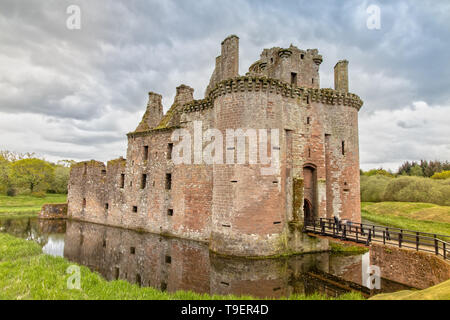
x=420, y=131
x=94, y=82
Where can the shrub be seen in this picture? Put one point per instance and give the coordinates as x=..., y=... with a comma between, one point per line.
x=441, y=175
x=11, y=192
x=38, y=194
x=373, y=187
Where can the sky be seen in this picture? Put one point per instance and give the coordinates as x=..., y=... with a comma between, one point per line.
x=74, y=93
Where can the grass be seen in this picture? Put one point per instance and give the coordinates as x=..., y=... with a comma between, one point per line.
x=423, y=217
x=437, y=292
x=26, y=273
x=346, y=249
x=26, y=205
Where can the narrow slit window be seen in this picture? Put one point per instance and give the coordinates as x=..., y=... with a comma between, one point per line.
x=293, y=78
x=103, y=172
x=106, y=206
x=122, y=181
x=84, y=203
x=168, y=259
x=135, y=209
x=343, y=148
x=144, y=181
x=308, y=120
x=168, y=181
x=169, y=151
x=170, y=212
x=132, y=250
x=145, y=152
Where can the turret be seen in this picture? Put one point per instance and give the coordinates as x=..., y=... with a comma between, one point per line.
x=227, y=64
x=341, y=76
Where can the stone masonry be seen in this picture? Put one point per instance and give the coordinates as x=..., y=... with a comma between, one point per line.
x=234, y=207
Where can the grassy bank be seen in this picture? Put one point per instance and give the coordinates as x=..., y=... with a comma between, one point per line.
x=26, y=273
x=423, y=217
x=346, y=249
x=437, y=292
x=26, y=205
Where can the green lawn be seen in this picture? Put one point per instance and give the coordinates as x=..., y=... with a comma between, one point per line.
x=425, y=217
x=440, y=291
x=26, y=205
x=26, y=273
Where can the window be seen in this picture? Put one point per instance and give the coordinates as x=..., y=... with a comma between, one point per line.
x=170, y=212
x=168, y=259
x=302, y=56
x=117, y=273
x=106, y=206
x=135, y=209
x=312, y=80
x=103, y=172
x=343, y=148
x=168, y=181
x=169, y=151
x=308, y=120
x=132, y=250
x=84, y=203
x=293, y=78
x=143, y=181
x=145, y=152
x=122, y=180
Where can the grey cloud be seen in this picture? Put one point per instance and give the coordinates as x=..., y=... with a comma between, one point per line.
x=92, y=78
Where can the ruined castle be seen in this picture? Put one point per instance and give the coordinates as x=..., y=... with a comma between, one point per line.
x=236, y=207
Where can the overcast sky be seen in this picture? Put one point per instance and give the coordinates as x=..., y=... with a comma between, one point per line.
x=74, y=94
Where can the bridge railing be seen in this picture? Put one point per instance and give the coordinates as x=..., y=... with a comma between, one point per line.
x=366, y=233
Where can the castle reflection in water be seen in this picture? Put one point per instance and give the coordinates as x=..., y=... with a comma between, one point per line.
x=172, y=264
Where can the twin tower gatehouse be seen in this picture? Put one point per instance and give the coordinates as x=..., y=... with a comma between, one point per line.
x=241, y=169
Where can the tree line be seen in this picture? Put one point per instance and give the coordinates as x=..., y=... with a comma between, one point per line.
x=25, y=173
x=423, y=181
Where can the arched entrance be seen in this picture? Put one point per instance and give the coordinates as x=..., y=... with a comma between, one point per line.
x=308, y=210
x=310, y=193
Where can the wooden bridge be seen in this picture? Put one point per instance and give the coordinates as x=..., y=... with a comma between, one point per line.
x=366, y=233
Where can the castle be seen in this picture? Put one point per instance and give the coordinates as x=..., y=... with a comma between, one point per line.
x=236, y=207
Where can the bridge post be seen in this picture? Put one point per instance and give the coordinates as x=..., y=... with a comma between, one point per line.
x=445, y=250
x=436, y=245
x=400, y=238
x=344, y=232
x=384, y=237
x=417, y=241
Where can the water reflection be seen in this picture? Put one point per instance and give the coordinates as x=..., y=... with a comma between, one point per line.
x=171, y=264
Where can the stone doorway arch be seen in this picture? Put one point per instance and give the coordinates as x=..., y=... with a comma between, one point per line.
x=310, y=208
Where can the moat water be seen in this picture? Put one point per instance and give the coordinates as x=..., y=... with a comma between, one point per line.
x=171, y=264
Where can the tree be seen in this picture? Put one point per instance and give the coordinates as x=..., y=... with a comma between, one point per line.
x=34, y=174
x=4, y=174
x=416, y=170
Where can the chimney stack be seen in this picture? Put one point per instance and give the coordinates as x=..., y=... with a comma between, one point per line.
x=341, y=76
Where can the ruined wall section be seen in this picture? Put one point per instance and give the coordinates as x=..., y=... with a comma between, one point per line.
x=87, y=191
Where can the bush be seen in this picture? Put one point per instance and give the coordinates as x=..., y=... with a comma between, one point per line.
x=441, y=175
x=373, y=187
x=417, y=189
x=38, y=194
x=11, y=192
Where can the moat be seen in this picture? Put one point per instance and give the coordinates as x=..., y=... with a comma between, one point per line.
x=171, y=264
